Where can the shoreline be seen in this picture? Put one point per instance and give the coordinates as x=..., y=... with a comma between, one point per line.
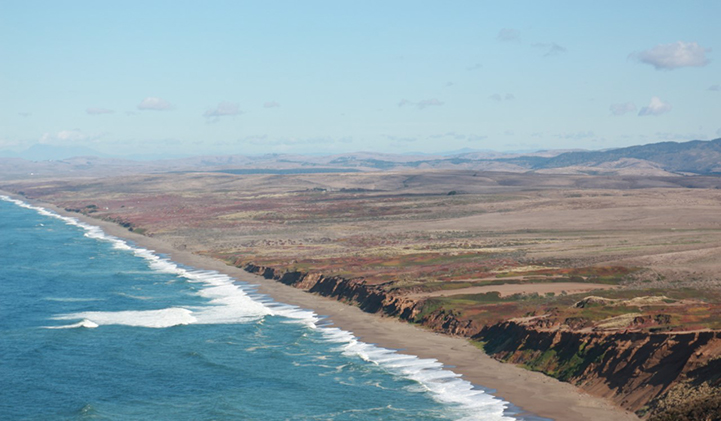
x=540, y=395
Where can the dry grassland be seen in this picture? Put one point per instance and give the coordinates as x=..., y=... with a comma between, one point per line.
x=489, y=245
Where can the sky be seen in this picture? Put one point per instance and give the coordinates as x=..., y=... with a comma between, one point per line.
x=327, y=77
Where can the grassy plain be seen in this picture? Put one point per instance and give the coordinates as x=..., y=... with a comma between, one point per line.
x=487, y=246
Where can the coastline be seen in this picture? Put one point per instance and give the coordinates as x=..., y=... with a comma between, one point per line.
x=533, y=392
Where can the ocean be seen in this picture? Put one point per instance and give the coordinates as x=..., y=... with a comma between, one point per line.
x=94, y=327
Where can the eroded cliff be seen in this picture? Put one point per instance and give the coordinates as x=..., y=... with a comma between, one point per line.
x=656, y=374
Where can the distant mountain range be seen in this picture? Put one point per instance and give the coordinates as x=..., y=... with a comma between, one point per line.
x=665, y=158
x=657, y=159
x=696, y=156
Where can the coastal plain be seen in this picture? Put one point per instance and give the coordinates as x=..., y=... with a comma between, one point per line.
x=577, y=261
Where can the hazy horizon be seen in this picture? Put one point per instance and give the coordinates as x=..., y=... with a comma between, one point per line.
x=63, y=152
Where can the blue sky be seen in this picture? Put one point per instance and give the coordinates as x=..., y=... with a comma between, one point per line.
x=338, y=76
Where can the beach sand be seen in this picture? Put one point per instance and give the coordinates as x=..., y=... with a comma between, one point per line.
x=531, y=391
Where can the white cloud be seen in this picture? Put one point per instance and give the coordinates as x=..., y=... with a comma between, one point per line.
x=63, y=136
x=223, y=109
x=271, y=104
x=67, y=137
x=508, y=35
x=655, y=107
x=432, y=102
x=621, y=109
x=154, y=103
x=404, y=102
x=98, y=111
x=714, y=88
x=552, y=48
x=25, y=114
x=673, y=56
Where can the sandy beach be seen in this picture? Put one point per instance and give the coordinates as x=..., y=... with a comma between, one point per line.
x=531, y=391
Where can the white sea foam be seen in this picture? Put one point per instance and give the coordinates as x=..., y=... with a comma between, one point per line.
x=444, y=385
x=230, y=302
x=227, y=303
x=83, y=323
x=148, y=318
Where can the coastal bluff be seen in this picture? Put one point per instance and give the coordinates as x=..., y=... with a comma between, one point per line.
x=659, y=376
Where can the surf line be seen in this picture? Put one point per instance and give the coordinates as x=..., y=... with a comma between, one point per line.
x=231, y=302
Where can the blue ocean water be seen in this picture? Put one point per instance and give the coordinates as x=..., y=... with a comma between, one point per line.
x=92, y=327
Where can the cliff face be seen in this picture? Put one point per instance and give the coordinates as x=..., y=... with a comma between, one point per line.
x=635, y=370
x=630, y=368
x=370, y=298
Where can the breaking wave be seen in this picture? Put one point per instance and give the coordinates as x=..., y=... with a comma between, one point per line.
x=231, y=302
